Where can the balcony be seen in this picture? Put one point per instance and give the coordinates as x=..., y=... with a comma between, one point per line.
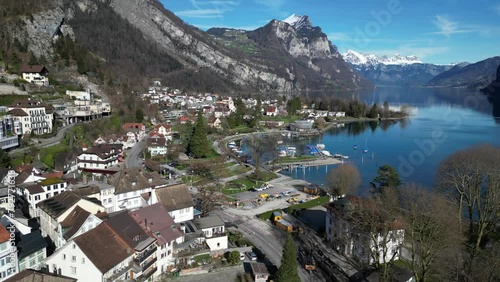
x=146, y=275
x=141, y=257
x=149, y=263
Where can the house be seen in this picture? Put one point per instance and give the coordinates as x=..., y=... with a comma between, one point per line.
x=32, y=250
x=259, y=271
x=214, y=232
x=10, y=128
x=214, y=122
x=97, y=255
x=184, y=120
x=352, y=240
x=177, y=201
x=157, y=146
x=55, y=210
x=7, y=178
x=30, y=275
x=99, y=157
x=98, y=190
x=129, y=140
x=66, y=162
x=80, y=95
x=272, y=111
x=8, y=254
x=139, y=242
x=34, y=116
x=35, y=74
x=134, y=188
x=156, y=221
x=163, y=129
x=138, y=128
x=35, y=192
x=302, y=125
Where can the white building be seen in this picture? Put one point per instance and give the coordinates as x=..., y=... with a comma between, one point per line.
x=134, y=188
x=34, y=193
x=8, y=254
x=348, y=239
x=99, y=157
x=97, y=255
x=155, y=219
x=177, y=201
x=35, y=74
x=80, y=95
x=157, y=146
x=98, y=190
x=34, y=116
x=214, y=232
x=55, y=210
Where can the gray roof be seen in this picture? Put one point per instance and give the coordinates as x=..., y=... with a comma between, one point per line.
x=207, y=222
x=259, y=268
x=124, y=180
x=175, y=197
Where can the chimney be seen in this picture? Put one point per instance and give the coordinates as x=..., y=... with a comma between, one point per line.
x=146, y=223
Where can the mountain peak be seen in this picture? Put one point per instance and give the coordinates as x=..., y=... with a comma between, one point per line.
x=357, y=58
x=297, y=21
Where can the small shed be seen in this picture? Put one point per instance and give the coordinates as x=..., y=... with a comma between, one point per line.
x=284, y=225
x=259, y=272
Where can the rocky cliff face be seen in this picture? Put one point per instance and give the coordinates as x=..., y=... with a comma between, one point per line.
x=295, y=49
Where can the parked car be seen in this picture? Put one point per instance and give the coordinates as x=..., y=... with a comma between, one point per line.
x=242, y=256
x=252, y=256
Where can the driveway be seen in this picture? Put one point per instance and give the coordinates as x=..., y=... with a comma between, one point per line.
x=133, y=158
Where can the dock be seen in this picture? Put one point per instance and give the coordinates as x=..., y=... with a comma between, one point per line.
x=316, y=162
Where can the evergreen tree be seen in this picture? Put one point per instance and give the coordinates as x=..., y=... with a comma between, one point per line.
x=4, y=159
x=387, y=177
x=373, y=111
x=198, y=144
x=288, y=271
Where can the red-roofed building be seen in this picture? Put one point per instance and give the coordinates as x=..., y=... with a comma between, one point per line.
x=35, y=74
x=272, y=111
x=138, y=128
x=156, y=222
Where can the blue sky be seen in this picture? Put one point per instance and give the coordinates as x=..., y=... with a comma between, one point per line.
x=437, y=31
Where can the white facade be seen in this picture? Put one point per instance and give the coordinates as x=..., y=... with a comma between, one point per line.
x=90, y=223
x=49, y=190
x=157, y=150
x=34, y=260
x=37, y=120
x=133, y=200
x=72, y=262
x=79, y=95
x=8, y=255
x=93, y=161
x=182, y=215
x=36, y=78
x=50, y=226
x=362, y=246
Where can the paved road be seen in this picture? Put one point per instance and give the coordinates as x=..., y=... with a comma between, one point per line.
x=47, y=142
x=133, y=158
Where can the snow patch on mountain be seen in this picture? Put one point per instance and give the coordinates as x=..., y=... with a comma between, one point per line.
x=297, y=21
x=356, y=58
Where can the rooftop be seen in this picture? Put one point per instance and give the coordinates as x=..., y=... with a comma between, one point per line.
x=58, y=204
x=175, y=197
x=127, y=228
x=30, y=243
x=208, y=222
x=30, y=275
x=135, y=178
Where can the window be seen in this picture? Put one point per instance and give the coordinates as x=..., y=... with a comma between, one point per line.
x=73, y=258
x=74, y=246
x=64, y=256
x=49, y=187
x=83, y=260
x=73, y=270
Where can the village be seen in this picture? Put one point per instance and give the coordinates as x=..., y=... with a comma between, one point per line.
x=151, y=215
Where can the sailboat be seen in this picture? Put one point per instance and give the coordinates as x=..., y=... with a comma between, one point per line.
x=365, y=150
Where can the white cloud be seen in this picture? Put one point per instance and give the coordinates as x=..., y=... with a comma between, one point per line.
x=339, y=36
x=448, y=27
x=201, y=13
x=208, y=9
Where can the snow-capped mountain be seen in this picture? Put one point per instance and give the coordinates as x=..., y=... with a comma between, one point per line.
x=297, y=21
x=356, y=58
x=395, y=70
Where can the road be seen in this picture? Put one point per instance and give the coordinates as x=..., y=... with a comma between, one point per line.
x=47, y=142
x=134, y=158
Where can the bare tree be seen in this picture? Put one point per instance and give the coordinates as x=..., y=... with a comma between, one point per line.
x=344, y=179
x=209, y=196
x=432, y=234
x=258, y=146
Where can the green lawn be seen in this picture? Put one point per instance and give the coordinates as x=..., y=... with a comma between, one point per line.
x=309, y=204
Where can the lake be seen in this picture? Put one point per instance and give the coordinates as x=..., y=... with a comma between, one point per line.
x=442, y=122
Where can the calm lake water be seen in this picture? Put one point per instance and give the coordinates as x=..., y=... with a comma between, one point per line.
x=443, y=121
